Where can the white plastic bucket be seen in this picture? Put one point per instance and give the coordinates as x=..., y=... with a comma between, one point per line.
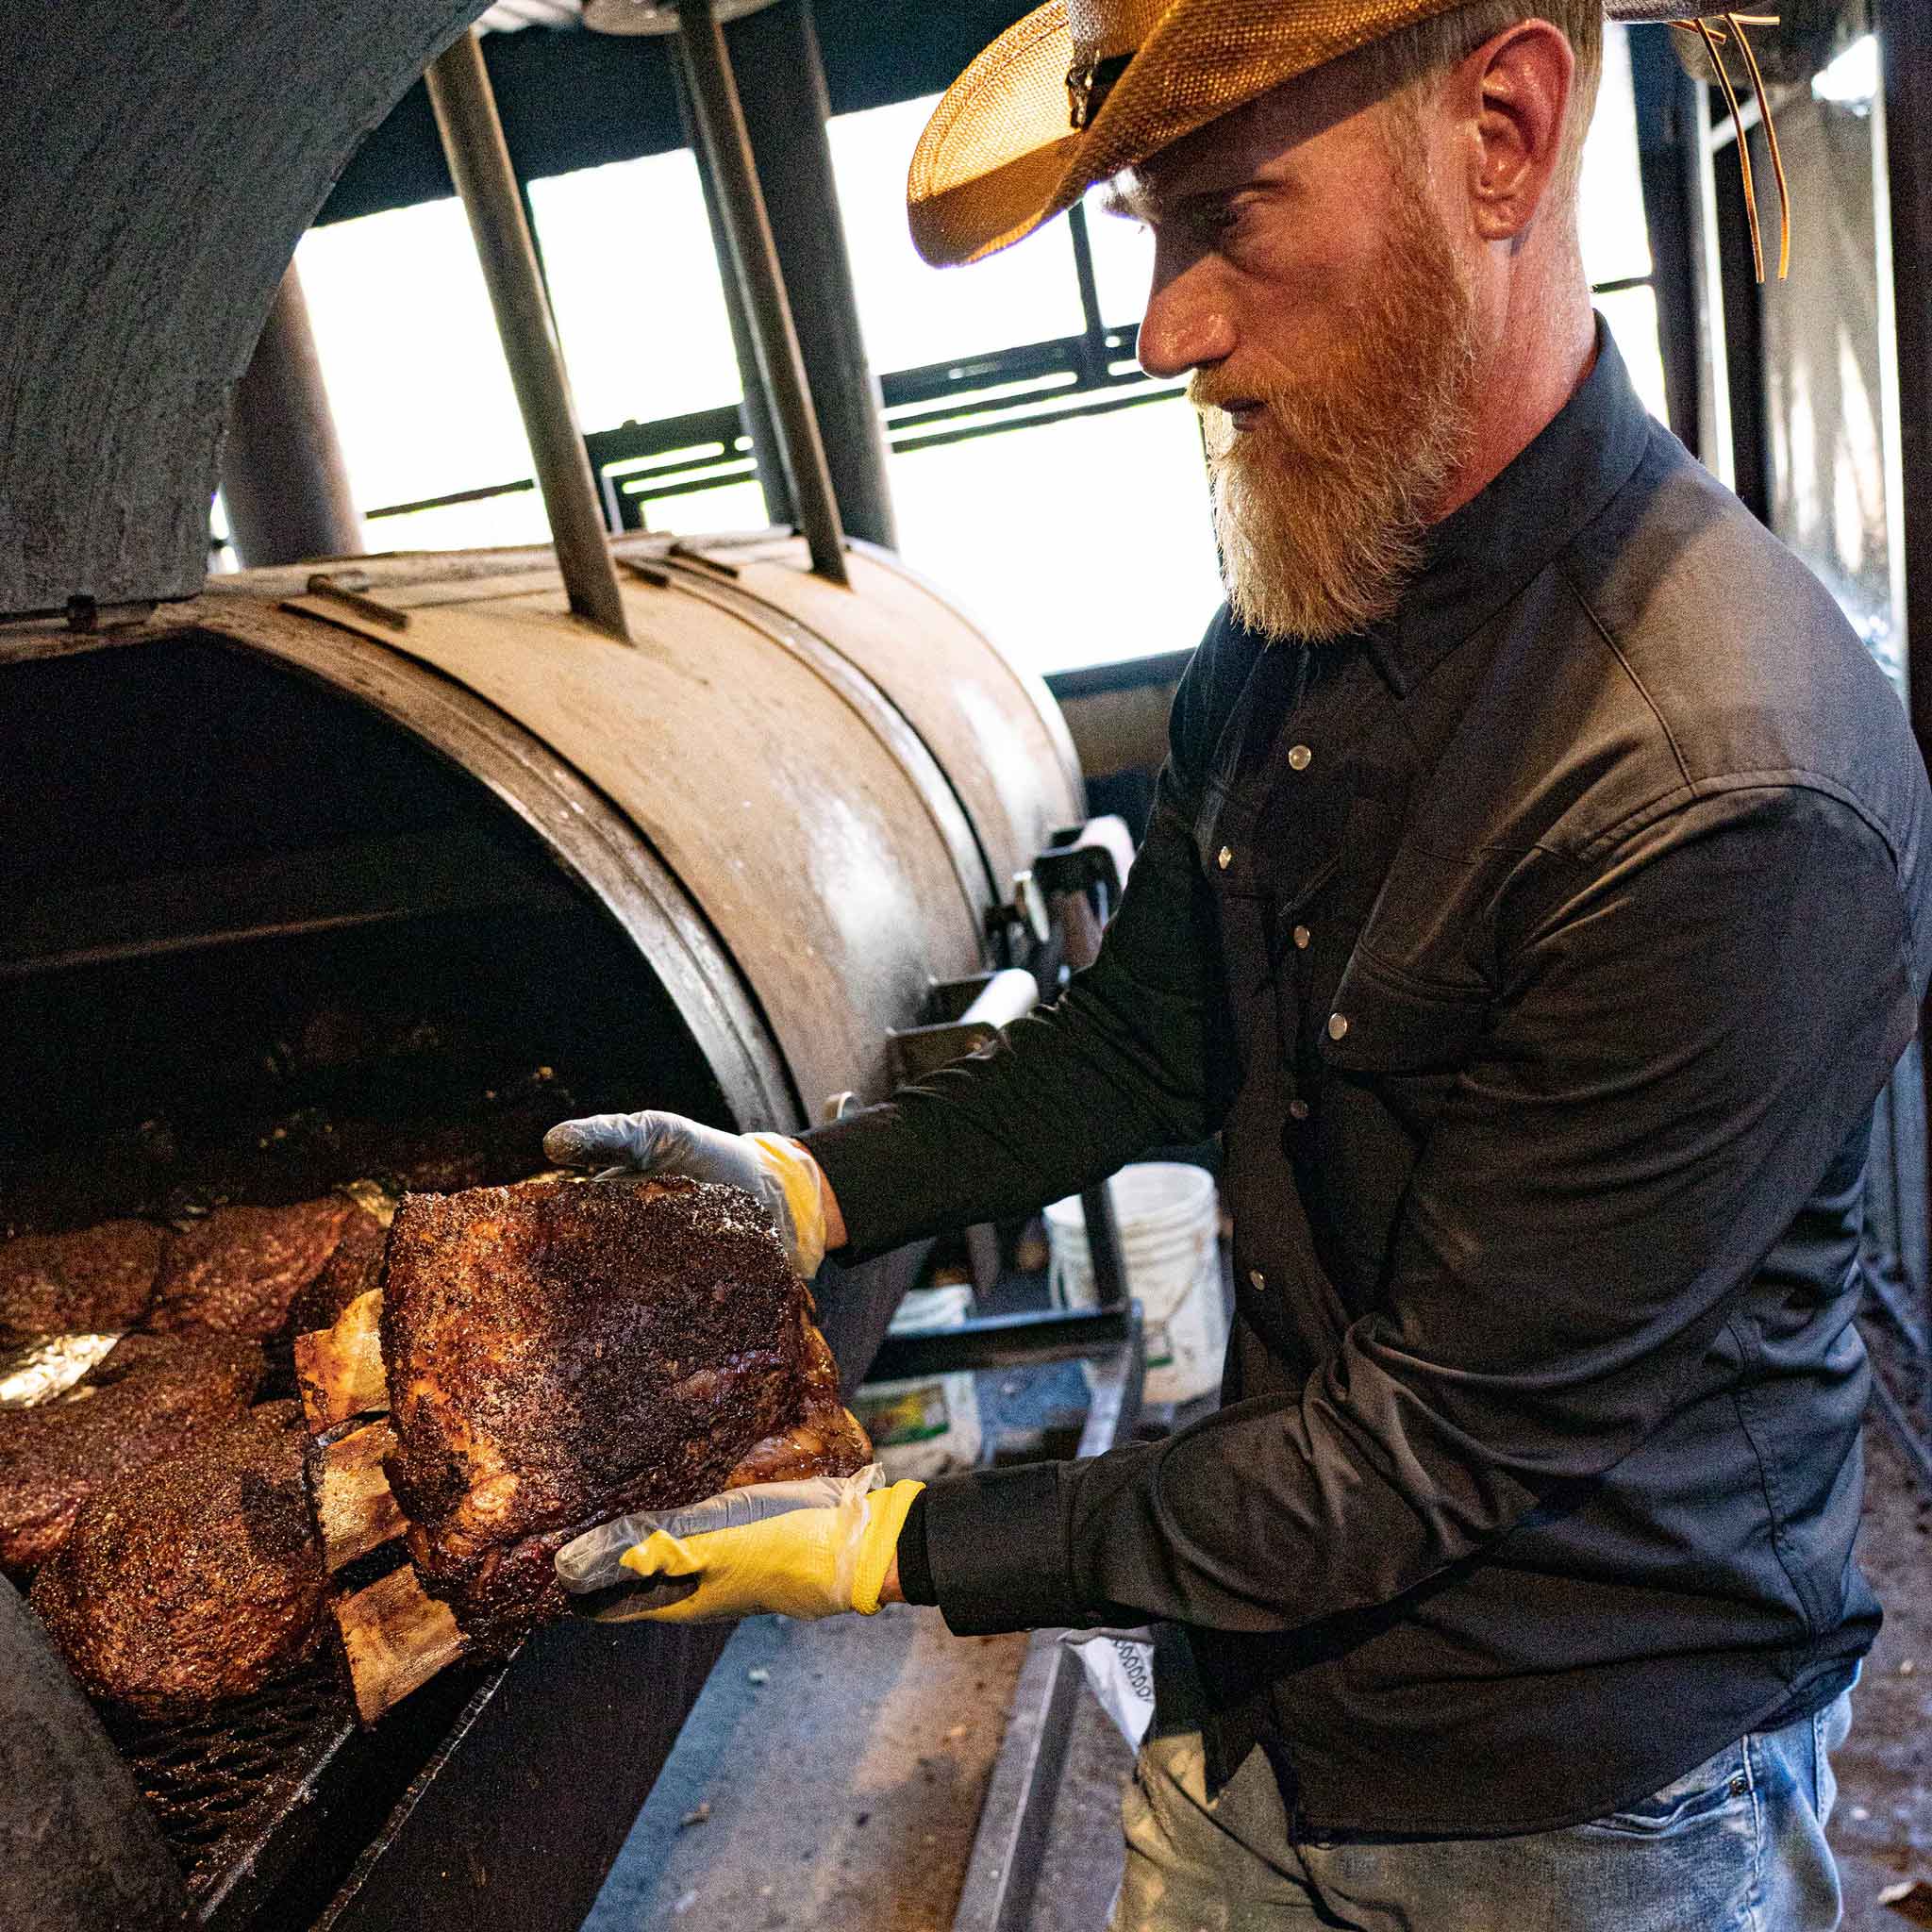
x=1169, y=1222
x=921, y=1429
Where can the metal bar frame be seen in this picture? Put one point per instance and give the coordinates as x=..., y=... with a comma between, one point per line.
x=283, y=477
x=1013, y=1825
x=1667, y=145
x=479, y=162
x=781, y=80
x=726, y=143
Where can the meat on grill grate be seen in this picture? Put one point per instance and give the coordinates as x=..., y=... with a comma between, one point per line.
x=561, y=1353
x=196, y=1580
x=354, y=1269
x=96, y=1280
x=147, y=1398
x=239, y=1270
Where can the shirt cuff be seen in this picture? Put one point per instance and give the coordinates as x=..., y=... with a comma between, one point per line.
x=855, y=1154
x=997, y=1553
x=915, y=1571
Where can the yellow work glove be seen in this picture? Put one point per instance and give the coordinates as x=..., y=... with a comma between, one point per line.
x=802, y=1549
x=775, y=1172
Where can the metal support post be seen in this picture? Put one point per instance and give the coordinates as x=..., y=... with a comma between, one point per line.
x=479, y=163
x=781, y=81
x=283, y=478
x=1906, y=41
x=755, y=260
x=757, y=407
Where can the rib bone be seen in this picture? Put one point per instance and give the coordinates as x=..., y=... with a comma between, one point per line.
x=338, y=1370
x=396, y=1638
x=355, y=1510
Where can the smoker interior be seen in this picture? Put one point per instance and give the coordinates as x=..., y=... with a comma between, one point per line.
x=261, y=942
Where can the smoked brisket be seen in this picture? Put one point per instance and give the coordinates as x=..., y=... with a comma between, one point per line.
x=561, y=1353
x=195, y=1580
x=239, y=1270
x=146, y=1399
x=95, y=1280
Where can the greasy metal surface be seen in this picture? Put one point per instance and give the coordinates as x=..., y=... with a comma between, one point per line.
x=220, y=1787
x=991, y=724
x=812, y=906
x=786, y=794
x=591, y=840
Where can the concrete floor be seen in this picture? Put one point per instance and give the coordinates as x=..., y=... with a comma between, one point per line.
x=831, y=1776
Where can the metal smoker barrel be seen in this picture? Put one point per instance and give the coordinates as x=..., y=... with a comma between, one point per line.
x=831, y=789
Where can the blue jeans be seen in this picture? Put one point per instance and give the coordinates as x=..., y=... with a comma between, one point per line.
x=1735, y=1845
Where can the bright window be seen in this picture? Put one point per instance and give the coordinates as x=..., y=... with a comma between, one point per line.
x=1078, y=542
x=1080, y=538
x=635, y=286
x=1023, y=294
x=416, y=378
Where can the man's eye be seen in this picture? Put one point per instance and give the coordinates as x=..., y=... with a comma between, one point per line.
x=1218, y=222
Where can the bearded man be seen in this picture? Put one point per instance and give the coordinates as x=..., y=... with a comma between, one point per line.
x=1535, y=899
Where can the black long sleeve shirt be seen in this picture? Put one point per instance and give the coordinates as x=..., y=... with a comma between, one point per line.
x=1539, y=957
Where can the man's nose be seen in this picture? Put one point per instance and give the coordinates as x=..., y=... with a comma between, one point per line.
x=1187, y=326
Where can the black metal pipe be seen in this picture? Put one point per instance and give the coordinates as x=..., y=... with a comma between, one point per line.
x=720, y=116
x=757, y=407
x=283, y=478
x=1004, y=1341
x=781, y=82
x=479, y=163
x=1667, y=133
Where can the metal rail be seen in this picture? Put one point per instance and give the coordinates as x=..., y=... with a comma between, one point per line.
x=479, y=163
x=1005, y=1866
x=720, y=116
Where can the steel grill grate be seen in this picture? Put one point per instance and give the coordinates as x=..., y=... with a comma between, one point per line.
x=221, y=1790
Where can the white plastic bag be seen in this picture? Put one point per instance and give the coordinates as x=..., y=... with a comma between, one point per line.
x=1119, y=1666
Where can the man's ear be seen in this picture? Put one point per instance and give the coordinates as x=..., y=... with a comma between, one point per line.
x=1511, y=99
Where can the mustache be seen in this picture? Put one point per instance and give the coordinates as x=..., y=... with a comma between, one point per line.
x=1216, y=391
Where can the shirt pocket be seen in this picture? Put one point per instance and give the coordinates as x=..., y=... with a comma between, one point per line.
x=1383, y=1024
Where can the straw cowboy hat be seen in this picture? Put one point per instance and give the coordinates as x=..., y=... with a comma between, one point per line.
x=1080, y=89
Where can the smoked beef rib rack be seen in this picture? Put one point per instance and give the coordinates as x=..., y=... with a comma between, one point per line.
x=539, y=1358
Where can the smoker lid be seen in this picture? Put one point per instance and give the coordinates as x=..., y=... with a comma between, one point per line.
x=147, y=223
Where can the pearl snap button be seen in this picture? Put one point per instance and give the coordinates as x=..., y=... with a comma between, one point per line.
x=1300, y=758
x=1256, y=1279
x=1224, y=857
x=1302, y=937
x=1336, y=1025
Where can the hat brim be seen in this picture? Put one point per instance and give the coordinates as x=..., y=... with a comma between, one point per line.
x=999, y=156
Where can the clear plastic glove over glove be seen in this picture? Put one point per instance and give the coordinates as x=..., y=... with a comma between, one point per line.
x=779, y=1173
x=807, y=1549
